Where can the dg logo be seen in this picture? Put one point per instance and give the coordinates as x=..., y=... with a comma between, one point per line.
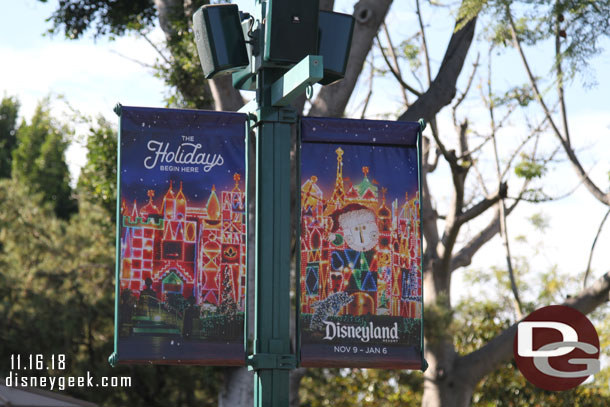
x=556, y=348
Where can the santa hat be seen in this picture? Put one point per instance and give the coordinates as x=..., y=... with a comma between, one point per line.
x=346, y=209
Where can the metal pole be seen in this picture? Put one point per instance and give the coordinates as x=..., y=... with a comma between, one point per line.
x=275, y=89
x=272, y=358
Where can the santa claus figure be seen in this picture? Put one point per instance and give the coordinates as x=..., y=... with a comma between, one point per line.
x=355, y=235
x=359, y=226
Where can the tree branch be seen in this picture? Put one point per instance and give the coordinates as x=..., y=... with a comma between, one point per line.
x=599, y=230
x=424, y=42
x=589, y=184
x=156, y=48
x=486, y=359
x=461, y=98
x=226, y=97
x=370, y=91
x=395, y=59
x=396, y=73
x=452, y=223
x=483, y=205
x=464, y=256
x=443, y=89
x=429, y=216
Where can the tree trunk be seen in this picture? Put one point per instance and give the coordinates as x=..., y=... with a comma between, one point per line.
x=446, y=391
x=237, y=388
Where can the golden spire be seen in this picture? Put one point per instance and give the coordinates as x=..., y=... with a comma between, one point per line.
x=365, y=171
x=180, y=194
x=134, y=212
x=213, y=205
x=339, y=192
x=236, y=178
x=170, y=192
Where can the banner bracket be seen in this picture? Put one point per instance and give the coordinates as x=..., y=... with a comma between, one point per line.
x=260, y=361
x=113, y=359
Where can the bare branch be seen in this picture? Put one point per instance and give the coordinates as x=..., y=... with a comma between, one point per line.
x=461, y=98
x=396, y=74
x=482, y=206
x=430, y=167
x=395, y=59
x=534, y=133
x=486, y=359
x=474, y=150
x=475, y=167
x=599, y=230
x=464, y=256
x=142, y=64
x=442, y=90
x=370, y=92
x=424, y=43
x=562, y=104
x=594, y=189
x=502, y=205
x=429, y=216
x=156, y=48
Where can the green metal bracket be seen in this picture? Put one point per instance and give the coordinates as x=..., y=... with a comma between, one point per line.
x=422, y=125
x=307, y=72
x=113, y=359
x=275, y=115
x=261, y=361
x=268, y=114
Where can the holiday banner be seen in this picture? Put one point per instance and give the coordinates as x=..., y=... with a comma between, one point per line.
x=181, y=245
x=360, y=244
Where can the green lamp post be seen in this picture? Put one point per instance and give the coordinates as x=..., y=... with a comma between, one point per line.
x=287, y=43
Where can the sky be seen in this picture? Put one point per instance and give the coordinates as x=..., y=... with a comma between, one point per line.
x=92, y=76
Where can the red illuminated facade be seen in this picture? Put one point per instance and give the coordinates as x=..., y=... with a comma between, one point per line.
x=186, y=249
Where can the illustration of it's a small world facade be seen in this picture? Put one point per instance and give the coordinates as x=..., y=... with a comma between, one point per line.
x=177, y=248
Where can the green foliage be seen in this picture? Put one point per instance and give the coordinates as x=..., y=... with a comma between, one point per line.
x=181, y=71
x=74, y=17
x=529, y=168
x=584, y=23
x=39, y=160
x=57, y=297
x=539, y=221
x=438, y=320
x=521, y=95
x=581, y=24
x=9, y=107
x=360, y=387
x=412, y=53
x=480, y=321
x=468, y=10
x=98, y=178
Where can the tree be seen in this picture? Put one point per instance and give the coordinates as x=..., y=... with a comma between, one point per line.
x=9, y=107
x=457, y=228
x=57, y=296
x=39, y=160
x=97, y=181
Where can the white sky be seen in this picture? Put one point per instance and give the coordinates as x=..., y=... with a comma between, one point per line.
x=93, y=77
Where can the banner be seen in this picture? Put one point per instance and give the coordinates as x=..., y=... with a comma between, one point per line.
x=181, y=246
x=360, y=244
